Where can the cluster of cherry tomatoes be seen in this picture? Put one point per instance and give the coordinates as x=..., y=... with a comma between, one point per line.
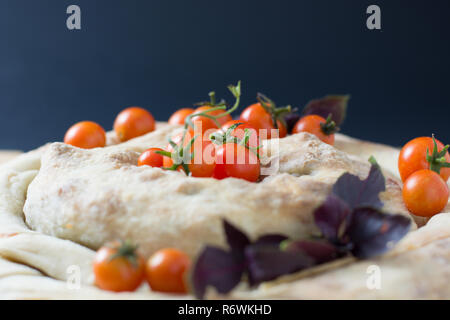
x=209, y=130
x=130, y=123
x=212, y=143
x=118, y=266
x=424, y=168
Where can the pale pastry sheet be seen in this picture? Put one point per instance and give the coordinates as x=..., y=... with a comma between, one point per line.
x=35, y=266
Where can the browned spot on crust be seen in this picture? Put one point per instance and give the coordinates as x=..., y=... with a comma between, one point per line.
x=392, y=182
x=151, y=174
x=189, y=188
x=68, y=189
x=124, y=157
x=8, y=235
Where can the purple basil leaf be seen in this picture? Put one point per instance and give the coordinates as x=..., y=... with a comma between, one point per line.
x=291, y=119
x=218, y=268
x=267, y=262
x=320, y=251
x=236, y=239
x=361, y=193
x=372, y=232
x=270, y=239
x=336, y=105
x=331, y=217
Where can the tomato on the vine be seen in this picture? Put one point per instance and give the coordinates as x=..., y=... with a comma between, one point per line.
x=239, y=132
x=425, y=193
x=208, y=123
x=260, y=119
x=151, y=158
x=203, y=162
x=86, y=135
x=237, y=161
x=166, y=271
x=413, y=157
x=133, y=122
x=322, y=128
x=118, y=267
x=179, y=116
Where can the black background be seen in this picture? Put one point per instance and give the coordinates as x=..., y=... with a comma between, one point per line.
x=167, y=54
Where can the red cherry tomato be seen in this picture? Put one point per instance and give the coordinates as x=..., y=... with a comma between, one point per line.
x=150, y=158
x=312, y=124
x=237, y=161
x=425, y=193
x=179, y=116
x=413, y=157
x=86, y=135
x=257, y=117
x=133, y=122
x=203, y=163
x=207, y=123
x=117, y=271
x=166, y=271
x=239, y=132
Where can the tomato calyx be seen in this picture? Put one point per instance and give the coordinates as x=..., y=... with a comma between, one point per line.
x=329, y=127
x=126, y=249
x=437, y=159
x=212, y=101
x=276, y=113
x=222, y=105
x=219, y=138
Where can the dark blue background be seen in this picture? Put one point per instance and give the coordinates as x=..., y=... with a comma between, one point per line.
x=167, y=54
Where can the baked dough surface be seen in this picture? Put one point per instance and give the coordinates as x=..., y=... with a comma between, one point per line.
x=95, y=196
x=51, y=218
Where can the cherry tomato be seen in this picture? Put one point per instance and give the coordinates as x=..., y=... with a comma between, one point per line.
x=118, y=267
x=425, y=193
x=413, y=157
x=133, y=122
x=203, y=163
x=151, y=158
x=312, y=124
x=168, y=162
x=86, y=135
x=207, y=123
x=257, y=117
x=234, y=160
x=179, y=116
x=239, y=132
x=166, y=270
